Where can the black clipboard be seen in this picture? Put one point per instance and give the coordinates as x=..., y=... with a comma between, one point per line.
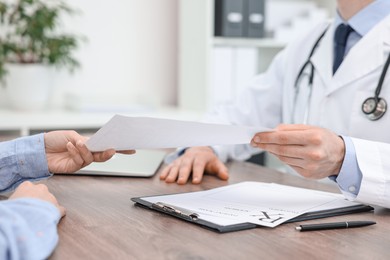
x=193, y=218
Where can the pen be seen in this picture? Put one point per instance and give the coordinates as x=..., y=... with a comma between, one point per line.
x=334, y=225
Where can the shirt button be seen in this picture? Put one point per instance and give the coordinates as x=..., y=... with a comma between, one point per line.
x=352, y=188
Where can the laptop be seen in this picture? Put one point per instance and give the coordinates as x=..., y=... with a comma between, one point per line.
x=144, y=163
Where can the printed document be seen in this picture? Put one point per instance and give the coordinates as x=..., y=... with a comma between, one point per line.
x=126, y=133
x=265, y=204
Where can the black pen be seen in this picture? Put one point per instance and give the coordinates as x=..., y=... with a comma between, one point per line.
x=335, y=225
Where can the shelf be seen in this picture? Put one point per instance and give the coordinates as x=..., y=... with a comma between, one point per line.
x=245, y=42
x=197, y=44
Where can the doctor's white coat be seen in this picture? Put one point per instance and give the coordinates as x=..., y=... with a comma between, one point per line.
x=335, y=103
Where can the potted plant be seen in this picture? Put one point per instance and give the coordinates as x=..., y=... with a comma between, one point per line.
x=31, y=44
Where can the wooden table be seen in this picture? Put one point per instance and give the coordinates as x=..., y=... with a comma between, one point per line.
x=102, y=223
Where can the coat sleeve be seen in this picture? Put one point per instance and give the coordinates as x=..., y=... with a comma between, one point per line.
x=259, y=104
x=374, y=163
x=28, y=229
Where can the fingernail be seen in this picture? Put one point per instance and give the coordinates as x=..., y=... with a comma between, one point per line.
x=256, y=139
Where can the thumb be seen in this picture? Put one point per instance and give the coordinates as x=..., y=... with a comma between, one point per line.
x=221, y=170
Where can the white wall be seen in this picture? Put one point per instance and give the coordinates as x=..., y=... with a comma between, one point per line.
x=130, y=55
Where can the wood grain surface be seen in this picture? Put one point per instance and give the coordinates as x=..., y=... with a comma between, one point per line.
x=102, y=223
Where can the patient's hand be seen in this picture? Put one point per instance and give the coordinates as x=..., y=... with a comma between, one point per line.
x=37, y=191
x=66, y=152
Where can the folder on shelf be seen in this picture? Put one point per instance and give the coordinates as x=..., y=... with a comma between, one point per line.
x=239, y=18
x=229, y=18
x=255, y=19
x=249, y=205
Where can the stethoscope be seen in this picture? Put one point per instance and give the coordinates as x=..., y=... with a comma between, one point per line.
x=373, y=107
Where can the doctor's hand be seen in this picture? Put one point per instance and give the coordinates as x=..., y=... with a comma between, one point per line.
x=66, y=152
x=311, y=151
x=195, y=160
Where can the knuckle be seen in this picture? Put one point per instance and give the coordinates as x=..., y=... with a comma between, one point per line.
x=315, y=139
x=264, y=138
x=73, y=132
x=184, y=165
x=42, y=187
x=316, y=155
x=280, y=150
x=175, y=163
x=26, y=183
x=198, y=164
x=282, y=139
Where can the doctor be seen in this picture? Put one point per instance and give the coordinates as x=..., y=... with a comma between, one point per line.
x=325, y=95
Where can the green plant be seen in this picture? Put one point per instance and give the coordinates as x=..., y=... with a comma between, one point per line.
x=29, y=34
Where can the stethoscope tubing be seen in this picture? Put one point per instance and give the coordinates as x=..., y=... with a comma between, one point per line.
x=380, y=105
x=382, y=78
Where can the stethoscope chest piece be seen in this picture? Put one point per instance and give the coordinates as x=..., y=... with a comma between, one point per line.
x=374, y=108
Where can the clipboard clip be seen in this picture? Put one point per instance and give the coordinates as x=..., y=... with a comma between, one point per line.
x=176, y=211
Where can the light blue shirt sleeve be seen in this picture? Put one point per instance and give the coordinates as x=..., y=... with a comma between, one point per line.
x=350, y=177
x=28, y=229
x=22, y=159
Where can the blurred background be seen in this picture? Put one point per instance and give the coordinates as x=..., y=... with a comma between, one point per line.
x=167, y=58
x=131, y=52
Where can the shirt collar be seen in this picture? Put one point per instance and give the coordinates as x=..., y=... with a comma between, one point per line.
x=367, y=18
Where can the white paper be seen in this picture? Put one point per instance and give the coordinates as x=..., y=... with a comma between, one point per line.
x=126, y=133
x=264, y=204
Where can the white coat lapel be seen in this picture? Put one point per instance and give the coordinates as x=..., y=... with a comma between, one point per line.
x=323, y=57
x=366, y=56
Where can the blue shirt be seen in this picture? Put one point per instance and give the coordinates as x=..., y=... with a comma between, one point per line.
x=364, y=21
x=28, y=227
x=350, y=176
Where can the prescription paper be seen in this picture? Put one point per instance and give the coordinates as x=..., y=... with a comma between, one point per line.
x=265, y=204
